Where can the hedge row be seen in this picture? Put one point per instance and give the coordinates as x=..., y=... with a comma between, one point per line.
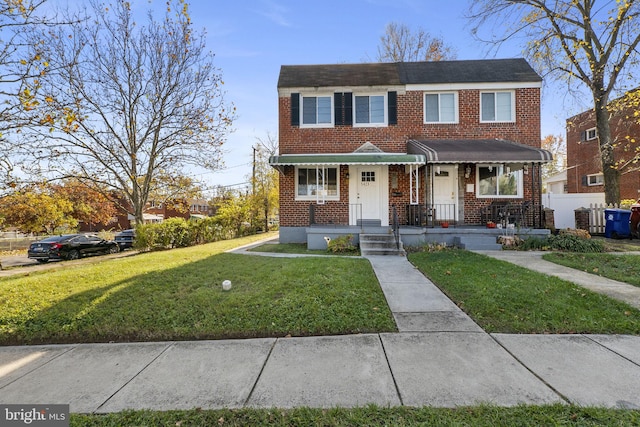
x=178, y=233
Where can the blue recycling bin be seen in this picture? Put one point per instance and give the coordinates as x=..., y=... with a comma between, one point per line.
x=617, y=223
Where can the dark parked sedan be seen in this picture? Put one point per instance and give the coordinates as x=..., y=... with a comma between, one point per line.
x=70, y=246
x=125, y=238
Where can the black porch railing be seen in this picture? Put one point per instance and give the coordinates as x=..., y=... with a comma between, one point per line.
x=525, y=214
x=431, y=215
x=395, y=224
x=522, y=214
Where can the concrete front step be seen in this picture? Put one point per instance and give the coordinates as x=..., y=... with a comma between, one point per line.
x=477, y=243
x=380, y=244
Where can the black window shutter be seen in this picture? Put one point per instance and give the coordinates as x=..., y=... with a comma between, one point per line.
x=584, y=180
x=337, y=109
x=583, y=135
x=392, y=107
x=295, y=109
x=348, y=108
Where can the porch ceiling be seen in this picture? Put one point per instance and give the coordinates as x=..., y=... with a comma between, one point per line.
x=477, y=151
x=348, y=159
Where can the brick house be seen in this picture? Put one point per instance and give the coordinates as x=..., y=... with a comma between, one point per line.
x=438, y=143
x=584, y=166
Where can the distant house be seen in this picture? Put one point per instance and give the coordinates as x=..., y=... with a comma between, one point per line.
x=435, y=142
x=556, y=184
x=583, y=153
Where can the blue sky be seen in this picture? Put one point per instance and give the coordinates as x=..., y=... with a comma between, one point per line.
x=251, y=39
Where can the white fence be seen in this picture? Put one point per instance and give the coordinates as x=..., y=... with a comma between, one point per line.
x=564, y=206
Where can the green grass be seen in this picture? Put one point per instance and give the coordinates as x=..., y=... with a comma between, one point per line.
x=623, y=268
x=297, y=248
x=552, y=415
x=502, y=297
x=177, y=295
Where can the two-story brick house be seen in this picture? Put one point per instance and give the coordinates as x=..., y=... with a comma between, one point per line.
x=437, y=142
x=584, y=165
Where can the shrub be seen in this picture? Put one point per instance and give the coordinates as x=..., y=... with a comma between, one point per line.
x=626, y=203
x=428, y=247
x=533, y=244
x=584, y=234
x=179, y=232
x=562, y=242
x=341, y=244
x=571, y=243
x=146, y=237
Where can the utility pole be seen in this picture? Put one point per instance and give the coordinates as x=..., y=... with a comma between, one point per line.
x=253, y=179
x=253, y=189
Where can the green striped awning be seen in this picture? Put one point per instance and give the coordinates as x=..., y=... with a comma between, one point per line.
x=347, y=159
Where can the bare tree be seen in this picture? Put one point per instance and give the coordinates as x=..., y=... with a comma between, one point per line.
x=22, y=64
x=401, y=44
x=130, y=103
x=593, y=42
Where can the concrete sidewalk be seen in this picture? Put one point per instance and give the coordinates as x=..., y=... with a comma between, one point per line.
x=443, y=369
x=440, y=357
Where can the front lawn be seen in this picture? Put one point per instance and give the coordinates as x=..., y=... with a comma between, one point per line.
x=298, y=248
x=478, y=416
x=503, y=297
x=623, y=268
x=177, y=295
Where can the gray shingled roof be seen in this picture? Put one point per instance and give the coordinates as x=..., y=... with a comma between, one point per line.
x=379, y=74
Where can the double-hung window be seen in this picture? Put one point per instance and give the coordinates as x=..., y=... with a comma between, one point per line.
x=317, y=111
x=595, y=179
x=317, y=183
x=498, y=181
x=440, y=108
x=497, y=106
x=370, y=110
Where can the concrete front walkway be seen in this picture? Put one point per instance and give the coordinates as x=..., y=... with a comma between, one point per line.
x=440, y=357
x=416, y=303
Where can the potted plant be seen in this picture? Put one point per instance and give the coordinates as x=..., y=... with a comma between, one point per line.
x=491, y=224
x=445, y=224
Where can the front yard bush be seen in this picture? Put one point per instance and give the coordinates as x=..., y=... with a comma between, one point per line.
x=179, y=233
x=342, y=244
x=562, y=242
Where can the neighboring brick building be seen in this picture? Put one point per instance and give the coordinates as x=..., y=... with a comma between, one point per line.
x=584, y=167
x=439, y=141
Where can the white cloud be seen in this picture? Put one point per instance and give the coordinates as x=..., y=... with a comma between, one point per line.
x=276, y=13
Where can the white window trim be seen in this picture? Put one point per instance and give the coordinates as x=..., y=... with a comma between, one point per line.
x=319, y=197
x=498, y=196
x=513, y=106
x=385, y=123
x=316, y=125
x=586, y=133
x=455, y=107
x=598, y=178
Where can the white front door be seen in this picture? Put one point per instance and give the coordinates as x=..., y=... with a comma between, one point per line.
x=368, y=193
x=445, y=192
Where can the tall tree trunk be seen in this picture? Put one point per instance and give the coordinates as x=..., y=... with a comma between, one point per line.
x=607, y=156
